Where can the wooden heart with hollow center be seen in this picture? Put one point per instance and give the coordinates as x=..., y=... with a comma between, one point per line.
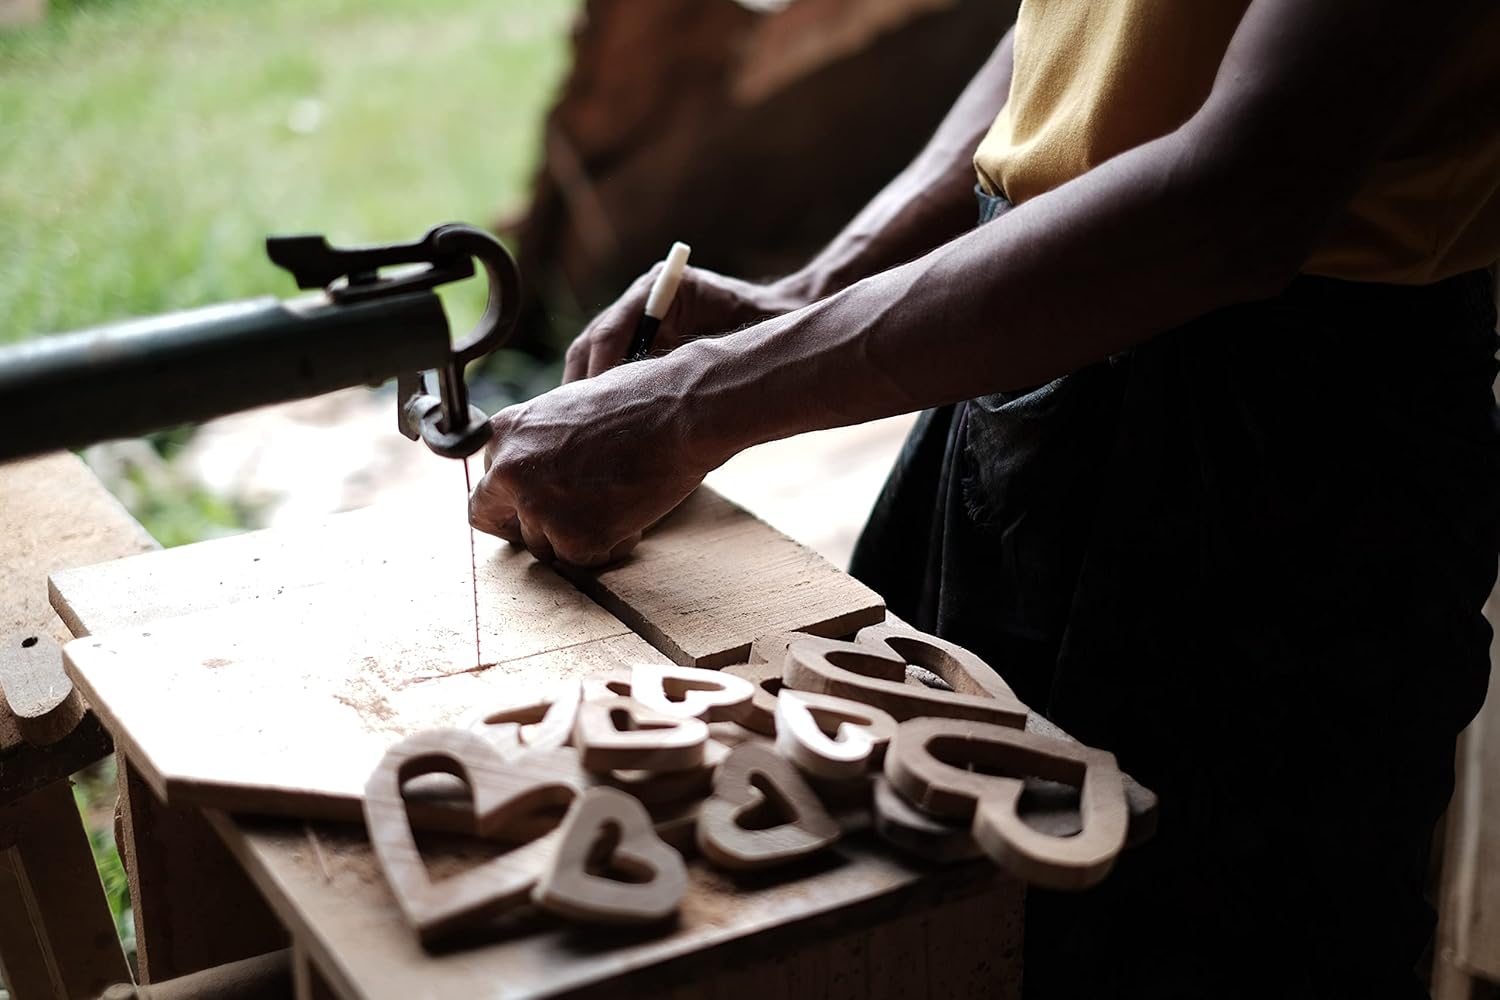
x=622, y=734
x=544, y=724
x=608, y=830
x=689, y=691
x=830, y=737
x=762, y=812
x=875, y=674
x=502, y=794
x=962, y=770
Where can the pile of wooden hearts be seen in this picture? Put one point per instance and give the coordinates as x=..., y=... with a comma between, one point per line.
x=753, y=766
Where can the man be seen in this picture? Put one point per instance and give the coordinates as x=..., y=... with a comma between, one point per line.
x=1209, y=467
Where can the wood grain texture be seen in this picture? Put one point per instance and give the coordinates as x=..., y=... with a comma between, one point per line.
x=285, y=704
x=580, y=883
x=710, y=579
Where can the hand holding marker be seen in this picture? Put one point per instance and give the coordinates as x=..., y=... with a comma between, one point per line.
x=663, y=291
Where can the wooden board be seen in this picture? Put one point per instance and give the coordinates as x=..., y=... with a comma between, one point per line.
x=56, y=516
x=711, y=579
x=807, y=931
x=326, y=886
x=285, y=704
x=1469, y=921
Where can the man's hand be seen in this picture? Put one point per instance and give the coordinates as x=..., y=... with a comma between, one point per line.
x=578, y=473
x=707, y=304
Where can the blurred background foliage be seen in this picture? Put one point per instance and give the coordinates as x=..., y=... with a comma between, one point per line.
x=147, y=147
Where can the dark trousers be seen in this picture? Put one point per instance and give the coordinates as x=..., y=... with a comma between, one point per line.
x=1249, y=558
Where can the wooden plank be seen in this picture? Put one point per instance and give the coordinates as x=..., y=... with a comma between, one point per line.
x=710, y=580
x=57, y=937
x=286, y=704
x=57, y=516
x=325, y=884
x=1469, y=936
x=194, y=908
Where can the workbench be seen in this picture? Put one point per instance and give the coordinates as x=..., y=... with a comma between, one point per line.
x=865, y=921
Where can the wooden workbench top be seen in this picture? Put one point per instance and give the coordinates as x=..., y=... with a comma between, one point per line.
x=237, y=670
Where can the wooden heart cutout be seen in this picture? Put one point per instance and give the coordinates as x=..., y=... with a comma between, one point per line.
x=691, y=692
x=830, y=737
x=963, y=769
x=751, y=780
x=964, y=672
x=622, y=734
x=903, y=825
x=615, y=684
x=876, y=675
x=544, y=724
x=656, y=873
x=502, y=794
x=660, y=787
x=759, y=713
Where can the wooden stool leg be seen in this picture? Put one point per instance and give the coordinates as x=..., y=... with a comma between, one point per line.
x=57, y=938
x=194, y=906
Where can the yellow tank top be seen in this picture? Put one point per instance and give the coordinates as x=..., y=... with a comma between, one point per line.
x=1093, y=79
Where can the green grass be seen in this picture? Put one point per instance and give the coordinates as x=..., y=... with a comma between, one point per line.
x=148, y=146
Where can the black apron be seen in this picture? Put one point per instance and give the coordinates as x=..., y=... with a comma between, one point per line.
x=1248, y=557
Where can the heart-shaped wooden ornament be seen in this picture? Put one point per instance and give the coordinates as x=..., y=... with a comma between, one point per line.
x=752, y=782
x=759, y=713
x=691, y=692
x=502, y=794
x=543, y=724
x=876, y=675
x=964, y=672
x=608, y=830
x=830, y=737
x=903, y=825
x=622, y=734
x=964, y=769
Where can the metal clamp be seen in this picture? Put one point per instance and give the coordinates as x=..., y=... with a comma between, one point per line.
x=446, y=423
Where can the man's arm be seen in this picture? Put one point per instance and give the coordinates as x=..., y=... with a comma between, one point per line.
x=1223, y=210
x=930, y=202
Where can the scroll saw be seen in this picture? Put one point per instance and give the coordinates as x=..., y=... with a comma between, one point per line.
x=374, y=315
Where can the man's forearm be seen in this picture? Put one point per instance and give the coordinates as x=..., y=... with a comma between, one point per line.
x=1223, y=210
x=929, y=203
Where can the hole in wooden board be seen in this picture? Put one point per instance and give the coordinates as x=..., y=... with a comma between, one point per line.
x=601, y=859
x=1050, y=807
x=771, y=686
x=772, y=810
x=28, y=642
x=624, y=722
x=1005, y=761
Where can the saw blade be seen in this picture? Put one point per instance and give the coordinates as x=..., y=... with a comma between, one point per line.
x=473, y=563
